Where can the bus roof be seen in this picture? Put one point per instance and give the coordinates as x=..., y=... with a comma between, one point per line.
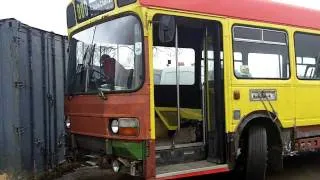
x=256, y=10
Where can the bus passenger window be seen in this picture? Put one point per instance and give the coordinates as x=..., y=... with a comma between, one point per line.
x=260, y=53
x=307, y=56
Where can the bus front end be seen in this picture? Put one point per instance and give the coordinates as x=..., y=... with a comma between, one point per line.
x=108, y=101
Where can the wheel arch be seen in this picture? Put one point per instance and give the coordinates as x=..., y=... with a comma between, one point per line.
x=273, y=127
x=259, y=117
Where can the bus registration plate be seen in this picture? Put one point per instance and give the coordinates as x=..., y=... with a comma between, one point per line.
x=263, y=95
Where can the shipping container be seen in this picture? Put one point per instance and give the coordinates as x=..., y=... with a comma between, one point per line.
x=32, y=82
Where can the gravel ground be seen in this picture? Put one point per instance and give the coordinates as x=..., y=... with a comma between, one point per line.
x=305, y=167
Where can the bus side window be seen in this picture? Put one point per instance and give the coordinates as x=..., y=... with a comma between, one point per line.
x=307, y=56
x=260, y=53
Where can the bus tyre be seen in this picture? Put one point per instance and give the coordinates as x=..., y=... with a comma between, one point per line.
x=256, y=165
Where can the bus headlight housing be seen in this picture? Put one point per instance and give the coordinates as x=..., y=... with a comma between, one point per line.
x=125, y=126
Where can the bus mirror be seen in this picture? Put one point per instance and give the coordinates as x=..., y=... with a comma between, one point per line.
x=167, y=28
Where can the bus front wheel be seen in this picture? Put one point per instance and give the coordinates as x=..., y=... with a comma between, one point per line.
x=257, y=152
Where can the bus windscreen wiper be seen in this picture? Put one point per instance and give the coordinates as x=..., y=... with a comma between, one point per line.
x=90, y=64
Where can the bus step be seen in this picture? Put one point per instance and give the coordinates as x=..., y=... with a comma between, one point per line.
x=187, y=169
x=180, y=155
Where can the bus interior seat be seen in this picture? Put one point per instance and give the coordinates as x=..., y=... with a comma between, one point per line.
x=108, y=67
x=168, y=115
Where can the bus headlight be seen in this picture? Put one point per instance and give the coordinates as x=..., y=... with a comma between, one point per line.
x=115, y=126
x=67, y=122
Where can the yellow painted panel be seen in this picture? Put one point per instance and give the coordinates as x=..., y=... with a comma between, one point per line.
x=133, y=8
x=307, y=103
x=228, y=73
x=167, y=114
x=150, y=53
x=283, y=105
x=307, y=92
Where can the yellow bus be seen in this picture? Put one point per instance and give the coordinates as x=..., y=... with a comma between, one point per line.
x=171, y=89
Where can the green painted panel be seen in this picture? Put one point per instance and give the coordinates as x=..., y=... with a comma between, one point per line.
x=133, y=150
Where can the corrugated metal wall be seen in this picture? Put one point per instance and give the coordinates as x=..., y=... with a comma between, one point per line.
x=32, y=82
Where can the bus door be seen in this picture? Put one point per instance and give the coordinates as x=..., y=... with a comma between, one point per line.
x=213, y=83
x=186, y=88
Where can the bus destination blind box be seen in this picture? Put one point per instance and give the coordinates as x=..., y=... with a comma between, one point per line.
x=86, y=9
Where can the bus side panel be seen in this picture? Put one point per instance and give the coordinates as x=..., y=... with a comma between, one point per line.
x=284, y=105
x=284, y=102
x=307, y=106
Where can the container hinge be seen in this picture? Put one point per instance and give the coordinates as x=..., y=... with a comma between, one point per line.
x=60, y=142
x=16, y=39
x=51, y=99
x=19, y=84
x=37, y=142
x=19, y=130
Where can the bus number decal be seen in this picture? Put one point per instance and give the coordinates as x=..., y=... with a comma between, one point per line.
x=82, y=10
x=86, y=9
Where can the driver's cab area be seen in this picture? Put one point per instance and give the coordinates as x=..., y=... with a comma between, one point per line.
x=106, y=70
x=105, y=60
x=185, y=52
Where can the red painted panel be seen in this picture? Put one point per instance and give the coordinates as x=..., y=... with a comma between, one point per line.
x=197, y=173
x=257, y=10
x=90, y=114
x=150, y=163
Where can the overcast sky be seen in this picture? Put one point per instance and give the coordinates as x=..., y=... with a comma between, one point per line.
x=50, y=14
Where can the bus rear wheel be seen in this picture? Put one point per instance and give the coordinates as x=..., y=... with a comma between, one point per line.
x=257, y=152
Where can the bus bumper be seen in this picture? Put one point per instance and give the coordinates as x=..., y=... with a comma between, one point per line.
x=122, y=156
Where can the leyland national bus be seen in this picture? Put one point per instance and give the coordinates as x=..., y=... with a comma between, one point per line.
x=172, y=88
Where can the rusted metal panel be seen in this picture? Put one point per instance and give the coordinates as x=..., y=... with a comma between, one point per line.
x=307, y=131
x=307, y=144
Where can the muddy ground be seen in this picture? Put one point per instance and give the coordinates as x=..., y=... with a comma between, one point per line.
x=306, y=167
